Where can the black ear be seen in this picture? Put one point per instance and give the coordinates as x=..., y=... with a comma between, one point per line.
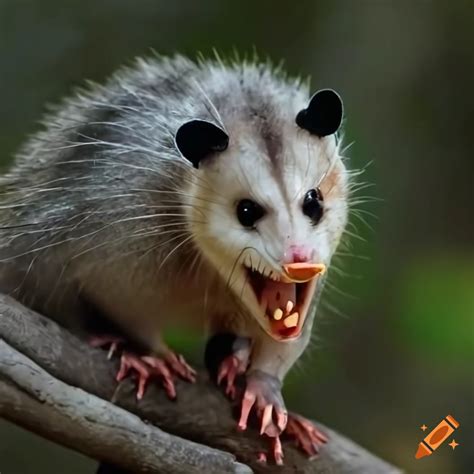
x=323, y=115
x=197, y=139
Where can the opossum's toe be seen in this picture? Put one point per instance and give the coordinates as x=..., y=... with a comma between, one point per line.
x=263, y=394
x=146, y=367
x=179, y=365
x=307, y=437
x=103, y=341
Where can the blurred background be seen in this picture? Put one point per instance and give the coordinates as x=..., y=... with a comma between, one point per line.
x=394, y=347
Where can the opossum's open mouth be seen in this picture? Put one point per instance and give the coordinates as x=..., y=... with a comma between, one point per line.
x=285, y=299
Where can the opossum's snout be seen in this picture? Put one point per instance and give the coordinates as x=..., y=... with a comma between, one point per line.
x=284, y=299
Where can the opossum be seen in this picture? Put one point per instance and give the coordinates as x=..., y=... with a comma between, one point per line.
x=185, y=193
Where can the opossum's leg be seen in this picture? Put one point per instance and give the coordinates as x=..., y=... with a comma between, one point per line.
x=308, y=438
x=234, y=364
x=226, y=357
x=263, y=394
x=270, y=361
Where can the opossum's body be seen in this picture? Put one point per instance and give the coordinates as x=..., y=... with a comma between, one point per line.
x=103, y=208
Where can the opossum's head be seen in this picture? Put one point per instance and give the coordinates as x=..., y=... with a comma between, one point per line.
x=268, y=202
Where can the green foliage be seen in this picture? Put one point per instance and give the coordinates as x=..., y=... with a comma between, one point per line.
x=435, y=314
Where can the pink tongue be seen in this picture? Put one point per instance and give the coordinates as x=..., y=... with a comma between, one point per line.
x=276, y=294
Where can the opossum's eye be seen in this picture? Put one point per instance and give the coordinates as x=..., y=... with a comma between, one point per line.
x=323, y=115
x=249, y=212
x=313, y=205
x=199, y=139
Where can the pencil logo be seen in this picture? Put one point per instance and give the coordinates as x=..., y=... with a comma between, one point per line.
x=437, y=437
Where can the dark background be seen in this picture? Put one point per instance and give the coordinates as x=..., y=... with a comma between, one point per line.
x=394, y=346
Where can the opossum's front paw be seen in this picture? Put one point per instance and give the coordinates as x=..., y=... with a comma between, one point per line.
x=147, y=366
x=263, y=392
x=231, y=367
x=308, y=438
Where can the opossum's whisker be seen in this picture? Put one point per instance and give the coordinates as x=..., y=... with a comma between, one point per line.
x=356, y=187
x=337, y=290
x=156, y=246
x=124, y=238
x=179, y=193
x=89, y=234
x=40, y=184
x=355, y=236
x=244, y=283
x=352, y=255
x=186, y=266
x=334, y=309
x=356, y=214
x=356, y=210
x=234, y=266
x=336, y=270
x=352, y=201
x=174, y=250
x=198, y=181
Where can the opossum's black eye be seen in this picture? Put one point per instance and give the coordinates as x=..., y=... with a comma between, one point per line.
x=323, y=115
x=199, y=139
x=249, y=212
x=313, y=205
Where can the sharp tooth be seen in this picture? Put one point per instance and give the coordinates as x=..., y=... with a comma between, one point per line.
x=291, y=321
x=289, y=306
x=278, y=314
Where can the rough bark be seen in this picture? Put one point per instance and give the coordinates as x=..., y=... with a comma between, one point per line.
x=54, y=384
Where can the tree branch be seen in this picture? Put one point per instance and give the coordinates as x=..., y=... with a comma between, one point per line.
x=74, y=418
x=55, y=385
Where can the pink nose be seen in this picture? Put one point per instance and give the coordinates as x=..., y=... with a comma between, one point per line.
x=297, y=254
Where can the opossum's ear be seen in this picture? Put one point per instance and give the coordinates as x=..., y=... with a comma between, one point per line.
x=323, y=115
x=198, y=139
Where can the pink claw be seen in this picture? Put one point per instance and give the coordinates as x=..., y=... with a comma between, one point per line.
x=179, y=365
x=277, y=450
x=112, y=341
x=266, y=418
x=248, y=402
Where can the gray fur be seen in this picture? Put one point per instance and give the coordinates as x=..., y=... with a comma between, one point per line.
x=104, y=182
